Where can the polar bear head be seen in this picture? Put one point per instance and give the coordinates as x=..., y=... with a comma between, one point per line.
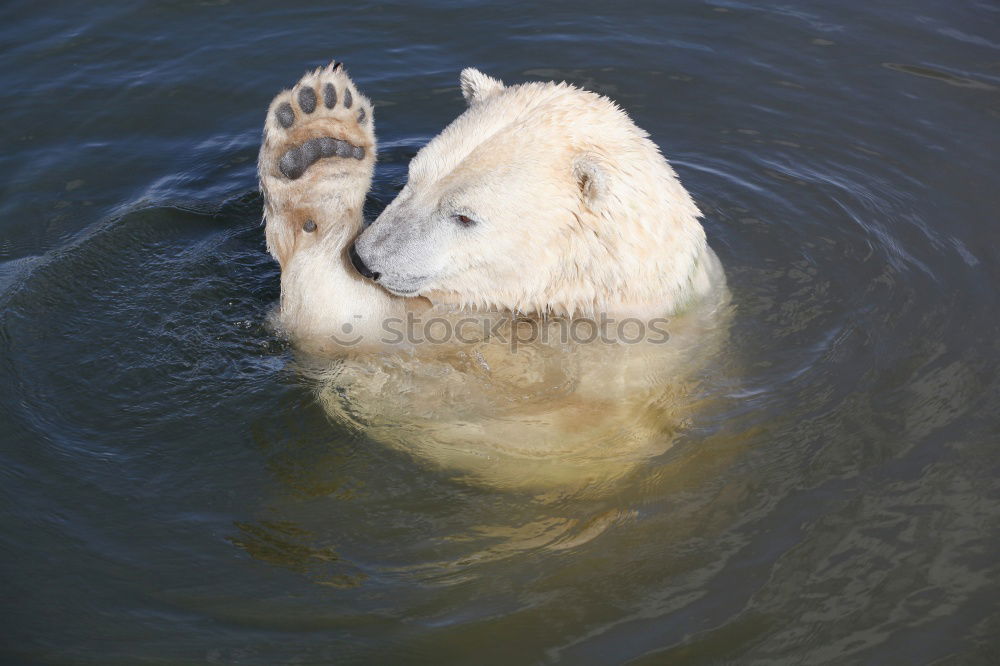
x=540, y=197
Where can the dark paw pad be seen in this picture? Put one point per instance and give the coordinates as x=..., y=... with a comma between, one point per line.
x=285, y=115
x=348, y=98
x=297, y=159
x=310, y=151
x=291, y=163
x=307, y=100
x=327, y=146
x=329, y=96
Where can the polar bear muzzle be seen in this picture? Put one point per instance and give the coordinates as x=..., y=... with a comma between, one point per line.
x=360, y=266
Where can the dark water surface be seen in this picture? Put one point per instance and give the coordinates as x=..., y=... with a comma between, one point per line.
x=172, y=492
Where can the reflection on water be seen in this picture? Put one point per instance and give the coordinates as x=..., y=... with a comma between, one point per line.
x=180, y=486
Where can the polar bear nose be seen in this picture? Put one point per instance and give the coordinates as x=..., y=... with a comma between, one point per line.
x=360, y=265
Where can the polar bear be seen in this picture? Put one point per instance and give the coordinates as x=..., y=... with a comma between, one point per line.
x=541, y=198
x=541, y=204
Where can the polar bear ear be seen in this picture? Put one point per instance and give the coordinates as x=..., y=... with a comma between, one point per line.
x=476, y=86
x=591, y=177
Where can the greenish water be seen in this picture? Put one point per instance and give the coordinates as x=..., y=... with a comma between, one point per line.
x=172, y=492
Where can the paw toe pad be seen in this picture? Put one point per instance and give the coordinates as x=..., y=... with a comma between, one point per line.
x=285, y=115
x=307, y=100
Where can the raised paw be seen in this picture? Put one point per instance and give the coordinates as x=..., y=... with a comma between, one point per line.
x=316, y=163
x=316, y=127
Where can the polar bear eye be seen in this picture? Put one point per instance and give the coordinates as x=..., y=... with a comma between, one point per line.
x=309, y=226
x=464, y=220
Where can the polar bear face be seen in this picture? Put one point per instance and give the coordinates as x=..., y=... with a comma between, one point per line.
x=483, y=217
x=539, y=197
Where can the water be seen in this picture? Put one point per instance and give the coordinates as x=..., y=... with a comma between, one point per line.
x=173, y=491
